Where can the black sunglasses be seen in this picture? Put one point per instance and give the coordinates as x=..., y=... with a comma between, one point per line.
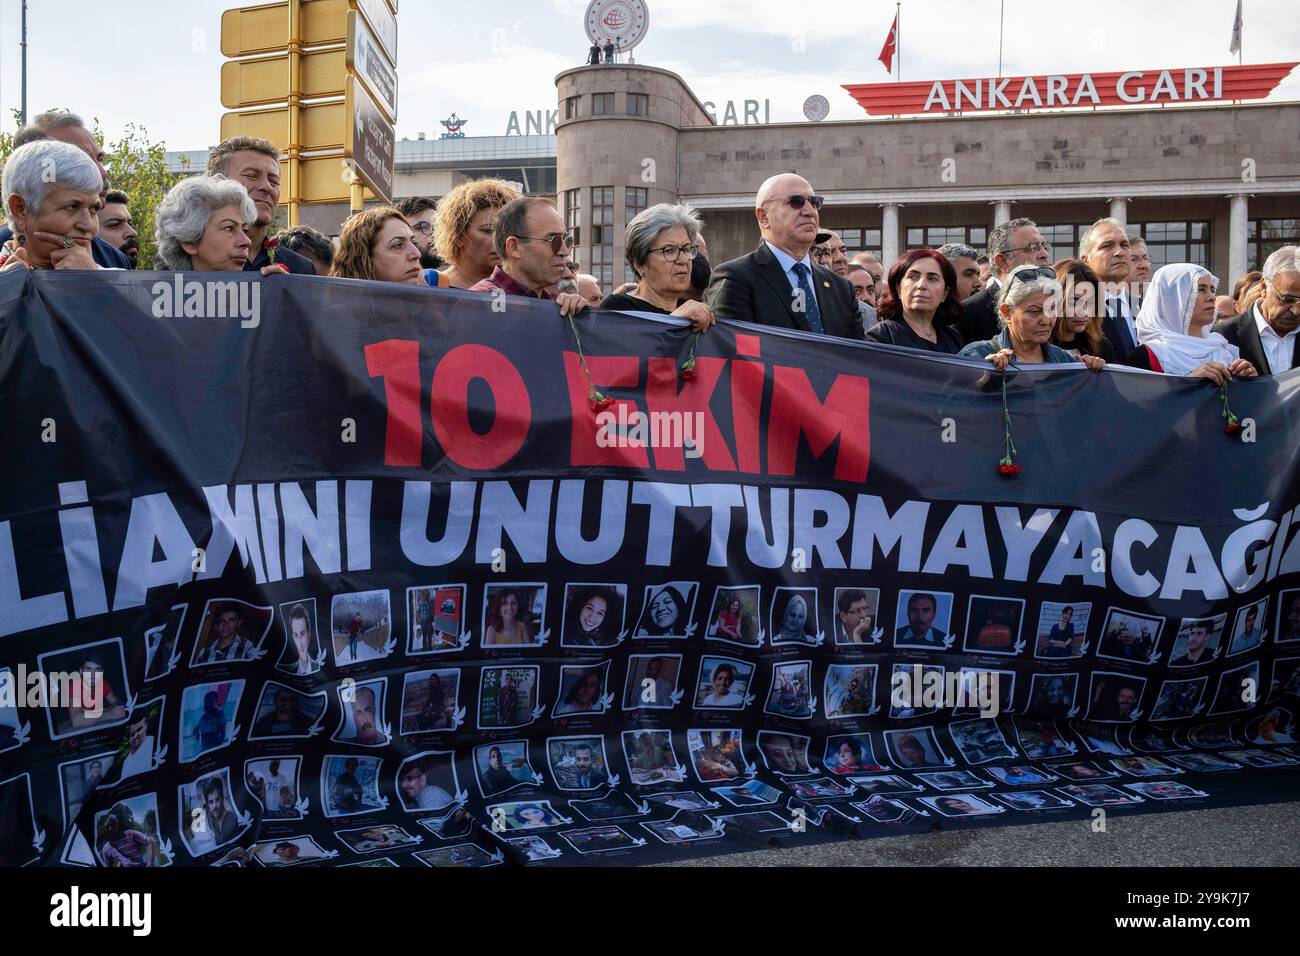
x=796, y=201
x=559, y=243
x=1029, y=275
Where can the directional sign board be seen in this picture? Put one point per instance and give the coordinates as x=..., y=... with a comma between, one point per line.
x=370, y=141
x=322, y=125
x=383, y=22
x=266, y=79
x=371, y=66
x=265, y=28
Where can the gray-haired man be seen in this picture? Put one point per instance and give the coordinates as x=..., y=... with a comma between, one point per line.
x=1012, y=243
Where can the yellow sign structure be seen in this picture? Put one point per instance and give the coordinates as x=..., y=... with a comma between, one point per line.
x=291, y=79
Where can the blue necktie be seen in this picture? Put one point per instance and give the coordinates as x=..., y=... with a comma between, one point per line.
x=810, y=299
x=1121, y=325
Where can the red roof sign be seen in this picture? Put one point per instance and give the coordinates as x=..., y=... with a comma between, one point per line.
x=1190, y=85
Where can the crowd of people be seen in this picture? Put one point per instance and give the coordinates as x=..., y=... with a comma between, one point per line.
x=1009, y=304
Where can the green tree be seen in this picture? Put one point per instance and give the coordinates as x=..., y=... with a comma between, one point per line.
x=138, y=168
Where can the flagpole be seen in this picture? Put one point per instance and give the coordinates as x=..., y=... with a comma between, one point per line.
x=1002, y=16
x=898, y=38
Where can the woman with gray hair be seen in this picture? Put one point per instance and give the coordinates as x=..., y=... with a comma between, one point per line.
x=660, y=244
x=1027, y=308
x=51, y=196
x=201, y=227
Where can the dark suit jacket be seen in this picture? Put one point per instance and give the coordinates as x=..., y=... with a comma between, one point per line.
x=102, y=251
x=295, y=263
x=979, y=316
x=1121, y=342
x=754, y=288
x=1242, y=332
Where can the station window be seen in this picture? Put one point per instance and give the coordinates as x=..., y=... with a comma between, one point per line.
x=602, y=233
x=863, y=239
x=1266, y=236
x=1175, y=241
x=602, y=104
x=572, y=107
x=638, y=104
x=933, y=237
x=572, y=217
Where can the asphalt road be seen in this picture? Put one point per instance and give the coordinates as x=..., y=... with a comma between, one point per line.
x=1261, y=835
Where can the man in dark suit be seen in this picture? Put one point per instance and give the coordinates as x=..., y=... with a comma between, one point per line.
x=1012, y=243
x=1267, y=332
x=1106, y=248
x=256, y=164
x=68, y=128
x=778, y=284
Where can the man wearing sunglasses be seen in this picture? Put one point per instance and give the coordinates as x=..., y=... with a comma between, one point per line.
x=779, y=284
x=1268, y=333
x=534, y=251
x=1016, y=242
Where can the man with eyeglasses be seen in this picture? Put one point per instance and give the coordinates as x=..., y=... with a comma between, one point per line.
x=1268, y=333
x=534, y=250
x=419, y=214
x=1013, y=243
x=779, y=284
x=1106, y=248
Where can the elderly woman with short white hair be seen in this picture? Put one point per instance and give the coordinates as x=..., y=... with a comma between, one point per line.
x=660, y=244
x=51, y=197
x=1027, y=309
x=201, y=227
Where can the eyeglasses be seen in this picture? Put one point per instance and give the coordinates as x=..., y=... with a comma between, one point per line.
x=1032, y=247
x=559, y=243
x=820, y=252
x=674, y=253
x=1029, y=275
x=423, y=226
x=1286, y=300
x=797, y=201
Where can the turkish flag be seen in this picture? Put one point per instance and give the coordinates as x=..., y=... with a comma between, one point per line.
x=891, y=45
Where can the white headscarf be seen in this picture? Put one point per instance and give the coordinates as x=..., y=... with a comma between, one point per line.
x=1165, y=319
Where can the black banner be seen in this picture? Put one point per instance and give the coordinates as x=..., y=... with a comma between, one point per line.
x=298, y=570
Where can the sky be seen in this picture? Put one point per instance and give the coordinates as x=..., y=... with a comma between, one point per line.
x=157, y=63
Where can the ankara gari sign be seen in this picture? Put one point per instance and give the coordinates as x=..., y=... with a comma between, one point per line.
x=1190, y=85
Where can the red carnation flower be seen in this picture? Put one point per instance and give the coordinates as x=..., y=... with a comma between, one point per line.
x=1233, y=427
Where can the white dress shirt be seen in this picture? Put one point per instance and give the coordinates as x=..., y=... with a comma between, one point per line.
x=1278, y=349
x=787, y=265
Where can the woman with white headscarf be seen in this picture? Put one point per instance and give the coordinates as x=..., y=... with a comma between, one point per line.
x=1173, y=328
